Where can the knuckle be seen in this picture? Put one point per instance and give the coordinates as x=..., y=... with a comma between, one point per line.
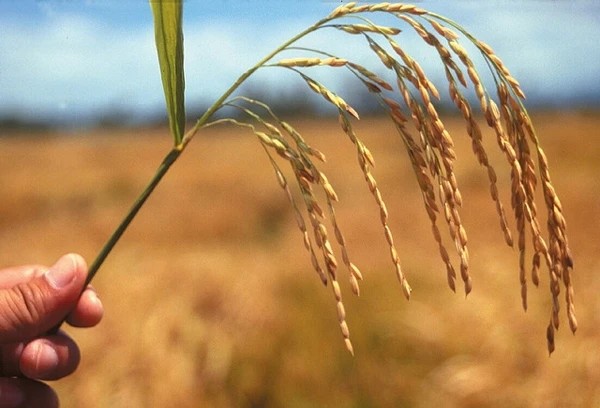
x=26, y=306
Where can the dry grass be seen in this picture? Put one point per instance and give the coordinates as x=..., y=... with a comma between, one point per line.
x=211, y=302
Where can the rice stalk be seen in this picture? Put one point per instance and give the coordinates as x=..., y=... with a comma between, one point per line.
x=410, y=98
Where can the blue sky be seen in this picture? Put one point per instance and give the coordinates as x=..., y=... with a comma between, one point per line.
x=69, y=58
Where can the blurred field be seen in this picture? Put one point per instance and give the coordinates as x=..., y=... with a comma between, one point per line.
x=211, y=299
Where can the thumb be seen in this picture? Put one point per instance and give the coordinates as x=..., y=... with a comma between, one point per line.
x=31, y=308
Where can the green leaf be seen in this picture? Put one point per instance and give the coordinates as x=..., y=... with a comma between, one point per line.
x=169, y=45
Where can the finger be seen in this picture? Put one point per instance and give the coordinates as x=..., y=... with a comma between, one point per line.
x=12, y=276
x=46, y=358
x=31, y=308
x=49, y=358
x=21, y=392
x=89, y=310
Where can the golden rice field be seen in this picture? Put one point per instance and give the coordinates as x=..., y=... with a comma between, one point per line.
x=211, y=299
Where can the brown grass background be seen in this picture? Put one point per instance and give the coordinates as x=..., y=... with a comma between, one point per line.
x=211, y=299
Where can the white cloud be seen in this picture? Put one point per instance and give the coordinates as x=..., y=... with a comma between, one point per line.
x=75, y=62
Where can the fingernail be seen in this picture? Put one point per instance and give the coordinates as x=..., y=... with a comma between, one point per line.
x=96, y=299
x=46, y=359
x=61, y=273
x=10, y=395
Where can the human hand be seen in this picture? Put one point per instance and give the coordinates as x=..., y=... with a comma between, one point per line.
x=34, y=299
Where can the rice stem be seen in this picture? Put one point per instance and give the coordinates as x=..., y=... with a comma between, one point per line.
x=164, y=167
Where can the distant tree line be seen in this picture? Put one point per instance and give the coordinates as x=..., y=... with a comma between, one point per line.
x=289, y=103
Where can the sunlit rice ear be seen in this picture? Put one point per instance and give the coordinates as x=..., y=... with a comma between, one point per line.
x=430, y=146
x=406, y=94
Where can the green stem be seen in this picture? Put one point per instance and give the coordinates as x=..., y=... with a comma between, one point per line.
x=169, y=159
x=137, y=205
